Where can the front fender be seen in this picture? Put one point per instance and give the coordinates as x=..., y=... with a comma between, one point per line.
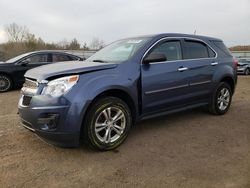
x=92, y=85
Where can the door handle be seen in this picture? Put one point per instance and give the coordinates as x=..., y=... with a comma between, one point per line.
x=181, y=69
x=214, y=63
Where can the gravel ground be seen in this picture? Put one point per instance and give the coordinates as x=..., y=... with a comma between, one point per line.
x=188, y=149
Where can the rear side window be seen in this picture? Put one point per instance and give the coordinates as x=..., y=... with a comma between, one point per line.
x=222, y=47
x=195, y=49
x=73, y=58
x=60, y=57
x=171, y=49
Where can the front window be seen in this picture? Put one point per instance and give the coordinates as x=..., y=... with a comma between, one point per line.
x=171, y=49
x=14, y=59
x=39, y=58
x=119, y=51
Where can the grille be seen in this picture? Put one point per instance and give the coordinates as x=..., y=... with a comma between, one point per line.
x=26, y=100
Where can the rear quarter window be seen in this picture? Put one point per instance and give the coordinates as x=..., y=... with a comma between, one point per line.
x=222, y=47
x=211, y=52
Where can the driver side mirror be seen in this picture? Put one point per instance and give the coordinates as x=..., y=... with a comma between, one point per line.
x=25, y=62
x=155, y=57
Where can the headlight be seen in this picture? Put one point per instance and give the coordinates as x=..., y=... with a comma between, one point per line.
x=60, y=86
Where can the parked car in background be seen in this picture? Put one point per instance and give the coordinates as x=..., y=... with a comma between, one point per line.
x=127, y=81
x=243, y=66
x=84, y=54
x=12, y=71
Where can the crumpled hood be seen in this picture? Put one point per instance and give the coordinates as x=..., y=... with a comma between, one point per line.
x=65, y=68
x=242, y=64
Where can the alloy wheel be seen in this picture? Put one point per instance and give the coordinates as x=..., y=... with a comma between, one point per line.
x=110, y=125
x=223, y=99
x=5, y=83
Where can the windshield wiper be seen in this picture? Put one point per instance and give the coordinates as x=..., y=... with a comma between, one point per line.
x=99, y=60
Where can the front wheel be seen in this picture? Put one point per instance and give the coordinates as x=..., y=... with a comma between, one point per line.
x=107, y=123
x=221, y=99
x=5, y=83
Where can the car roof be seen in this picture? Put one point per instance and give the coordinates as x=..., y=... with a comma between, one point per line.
x=51, y=51
x=186, y=35
x=162, y=35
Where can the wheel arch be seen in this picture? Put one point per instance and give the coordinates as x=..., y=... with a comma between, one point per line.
x=230, y=81
x=10, y=77
x=7, y=74
x=118, y=93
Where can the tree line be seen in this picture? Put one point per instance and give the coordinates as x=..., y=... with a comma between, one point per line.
x=21, y=40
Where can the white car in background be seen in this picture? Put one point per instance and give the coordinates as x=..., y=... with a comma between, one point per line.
x=244, y=66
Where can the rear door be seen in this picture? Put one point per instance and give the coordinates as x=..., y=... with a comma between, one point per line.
x=164, y=84
x=201, y=62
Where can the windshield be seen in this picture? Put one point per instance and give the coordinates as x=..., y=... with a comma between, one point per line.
x=14, y=59
x=244, y=61
x=119, y=51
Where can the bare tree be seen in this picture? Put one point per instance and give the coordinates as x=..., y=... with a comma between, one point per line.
x=74, y=45
x=16, y=33
x=85, y=46
x=96, y=44
x=63, y=44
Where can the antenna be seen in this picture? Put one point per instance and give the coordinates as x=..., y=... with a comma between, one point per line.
x=194, y=32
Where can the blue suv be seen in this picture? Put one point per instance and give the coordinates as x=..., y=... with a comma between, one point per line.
x=129, y=80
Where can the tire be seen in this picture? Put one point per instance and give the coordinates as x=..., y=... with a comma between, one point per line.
x=247, y=71
x=221, y=99
x=102, y=130
x=5, y=83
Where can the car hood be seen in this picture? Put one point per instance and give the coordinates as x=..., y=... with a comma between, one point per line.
x=4, y=63
x=66, y=68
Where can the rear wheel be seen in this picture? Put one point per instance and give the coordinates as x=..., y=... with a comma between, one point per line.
x=221, y=99
x=5, y=83
x=107, y=123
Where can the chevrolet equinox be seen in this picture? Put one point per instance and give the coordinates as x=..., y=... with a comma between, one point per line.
x=129, y=80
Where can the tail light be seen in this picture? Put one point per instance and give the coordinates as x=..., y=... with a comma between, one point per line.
x=235, y=63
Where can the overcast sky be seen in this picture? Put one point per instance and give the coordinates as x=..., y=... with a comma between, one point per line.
x=57, y=20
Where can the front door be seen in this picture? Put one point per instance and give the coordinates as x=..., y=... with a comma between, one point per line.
x=165, y=84
x=31, y=61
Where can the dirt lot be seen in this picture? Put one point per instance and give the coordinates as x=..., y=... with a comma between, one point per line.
x=188, y=149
